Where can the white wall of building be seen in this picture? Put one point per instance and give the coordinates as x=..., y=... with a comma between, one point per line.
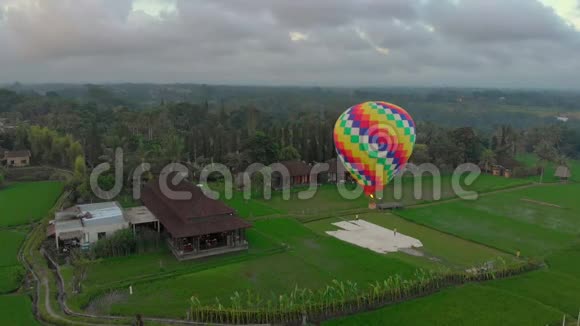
x=92, y=232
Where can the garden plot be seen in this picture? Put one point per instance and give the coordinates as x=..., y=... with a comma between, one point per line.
x=371, y=236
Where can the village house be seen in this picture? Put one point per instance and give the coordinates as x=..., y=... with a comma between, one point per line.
x=335, y=169
x=195, y=227
x=298, y=174
x=82, y=225
x=17, y=158
x=198, y=226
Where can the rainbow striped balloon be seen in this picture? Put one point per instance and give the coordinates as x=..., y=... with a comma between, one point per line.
x=374, y=140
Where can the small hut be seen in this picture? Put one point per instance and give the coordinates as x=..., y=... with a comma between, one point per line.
x=563, y=172
x=507, y=173
x=497, y=170
x=298, y=174
x=337, y=172
x=17, y=158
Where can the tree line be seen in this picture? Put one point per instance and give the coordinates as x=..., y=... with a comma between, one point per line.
x=200, y=133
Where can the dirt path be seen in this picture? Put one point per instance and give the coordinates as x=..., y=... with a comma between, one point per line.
x=540, y=203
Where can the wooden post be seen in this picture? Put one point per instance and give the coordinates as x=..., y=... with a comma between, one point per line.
x=134, y=233
x=564, y=321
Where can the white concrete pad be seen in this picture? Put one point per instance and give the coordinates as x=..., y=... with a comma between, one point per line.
x=374, y=237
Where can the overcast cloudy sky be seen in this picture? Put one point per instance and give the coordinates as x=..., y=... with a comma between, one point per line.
x=497, y=43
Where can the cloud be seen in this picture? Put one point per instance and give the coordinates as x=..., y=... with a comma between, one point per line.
x=334, y=42
x=297, y=36
x=497, y=21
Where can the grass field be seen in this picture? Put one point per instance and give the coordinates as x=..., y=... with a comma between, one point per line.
x=456, y=234
x=23, y=203
x=20, y=203
x=312, y=260
x=538, y=298
x=517, y=220
x=506, y=221
x=11, y=271
x=328, y=201
x=467, y=305
x=440, y=249
x=110, y=271
x=16, y=310
x=532, y=160
x=11, y=241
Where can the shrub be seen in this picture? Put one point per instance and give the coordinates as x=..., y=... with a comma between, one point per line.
x=121, y=243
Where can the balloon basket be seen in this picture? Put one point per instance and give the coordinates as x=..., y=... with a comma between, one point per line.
x=372, y=205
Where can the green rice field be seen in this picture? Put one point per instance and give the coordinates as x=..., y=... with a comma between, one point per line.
x=23, y=203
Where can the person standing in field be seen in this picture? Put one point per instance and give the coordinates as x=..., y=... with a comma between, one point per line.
x=395, y=232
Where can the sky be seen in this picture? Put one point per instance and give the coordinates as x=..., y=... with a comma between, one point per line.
x=473, y=43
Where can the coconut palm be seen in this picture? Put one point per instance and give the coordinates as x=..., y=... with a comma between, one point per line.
x=546, y=152
x=487, y=159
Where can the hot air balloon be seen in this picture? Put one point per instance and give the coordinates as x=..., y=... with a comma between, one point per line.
x=374, y=140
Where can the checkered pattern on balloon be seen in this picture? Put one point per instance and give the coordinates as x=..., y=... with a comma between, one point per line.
x=374, y=140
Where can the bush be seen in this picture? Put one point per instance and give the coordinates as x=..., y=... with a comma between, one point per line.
x=124, y=243
x=148, y=240
x=524, y=172
x=121, y=243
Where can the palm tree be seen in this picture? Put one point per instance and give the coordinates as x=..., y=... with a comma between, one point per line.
x=546, y=153
x=562, y=160
x=487, y=159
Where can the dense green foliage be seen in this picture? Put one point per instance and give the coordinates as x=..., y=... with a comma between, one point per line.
x=120, y=243
x=199, y=123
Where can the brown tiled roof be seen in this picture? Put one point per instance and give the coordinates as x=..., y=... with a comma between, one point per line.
x=16, y=154
x=297, y=168
x=196, y=216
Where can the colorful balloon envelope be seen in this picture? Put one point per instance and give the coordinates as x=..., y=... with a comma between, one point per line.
x=374, y=140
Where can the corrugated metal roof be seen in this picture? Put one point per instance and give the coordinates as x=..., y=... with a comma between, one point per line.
x=101, y=210
x=68, y=225
x=71, y=235
x=102, y=214
x=140, y=215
